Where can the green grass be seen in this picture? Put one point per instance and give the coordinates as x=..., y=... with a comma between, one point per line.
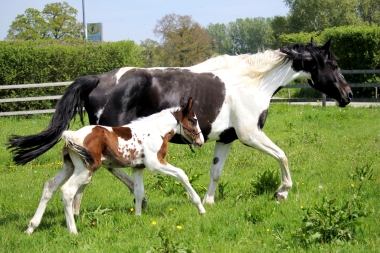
x=327, y=149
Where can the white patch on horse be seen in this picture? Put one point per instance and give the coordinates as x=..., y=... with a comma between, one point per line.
x=98, y=115
x=121, y=72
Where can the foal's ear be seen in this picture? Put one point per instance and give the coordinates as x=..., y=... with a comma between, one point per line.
x=182, y=102
x=190, y=103
x=188, y=107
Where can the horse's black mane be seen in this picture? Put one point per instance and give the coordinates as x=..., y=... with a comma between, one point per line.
x=297, y=51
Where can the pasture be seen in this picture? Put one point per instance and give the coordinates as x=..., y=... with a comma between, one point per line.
x=334, y=154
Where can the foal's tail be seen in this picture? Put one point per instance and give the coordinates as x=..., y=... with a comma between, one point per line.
x=26, y=148
x=83, y=152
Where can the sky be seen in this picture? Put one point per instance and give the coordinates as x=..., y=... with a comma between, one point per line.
x=135, y=20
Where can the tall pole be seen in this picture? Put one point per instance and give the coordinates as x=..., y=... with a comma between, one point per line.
x=84, y=19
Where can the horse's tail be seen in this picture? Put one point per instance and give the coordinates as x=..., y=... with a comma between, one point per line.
x=84, y=153
x=26, y=148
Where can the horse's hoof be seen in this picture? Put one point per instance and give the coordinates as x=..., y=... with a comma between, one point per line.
x=144, y=202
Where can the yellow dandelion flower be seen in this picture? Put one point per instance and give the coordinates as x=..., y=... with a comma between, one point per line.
x=352, y=185
x=131, y=209
x=154, y=223
x=179, y=227
x=301, y=207
x=268, y=229
x=170, y=209
x=303, y=235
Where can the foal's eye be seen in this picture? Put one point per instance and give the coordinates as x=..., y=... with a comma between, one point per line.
x=193, y=121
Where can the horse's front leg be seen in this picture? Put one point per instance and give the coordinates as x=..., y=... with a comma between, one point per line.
x=265, y=145
x=220, y=156
x=127, y=180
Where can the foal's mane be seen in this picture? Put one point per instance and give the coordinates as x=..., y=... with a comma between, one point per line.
x=147, y=119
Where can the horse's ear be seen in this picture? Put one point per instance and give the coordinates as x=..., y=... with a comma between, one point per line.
x=326, y=46
x=313, y=43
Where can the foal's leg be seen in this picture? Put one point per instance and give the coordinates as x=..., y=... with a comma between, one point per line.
x=119, y=174
x=49, y=189
x=180, y=175
x=78, y=199
x=81, y=176
x=265, y=145
x=220, y=155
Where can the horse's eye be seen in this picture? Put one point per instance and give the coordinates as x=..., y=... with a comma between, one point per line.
x=333, y=65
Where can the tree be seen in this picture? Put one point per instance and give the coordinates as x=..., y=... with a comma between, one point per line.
x=250, y=35
x=184, y=41
x=369, y=11
x=221, y=39
x=310, y=16
x=242, y=36
x=57, y=20
x=150, y=52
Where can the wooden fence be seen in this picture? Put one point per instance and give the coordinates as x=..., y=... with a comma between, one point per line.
x=289, y=99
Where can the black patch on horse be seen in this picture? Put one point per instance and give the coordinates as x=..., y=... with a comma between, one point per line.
x=228, y=136
x=262, y=119
x=142, y=92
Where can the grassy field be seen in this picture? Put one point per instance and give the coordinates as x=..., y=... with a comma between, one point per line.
x=333, y=207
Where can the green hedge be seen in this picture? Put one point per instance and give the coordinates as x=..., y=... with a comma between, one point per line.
x=357, y=47
x=23, y=62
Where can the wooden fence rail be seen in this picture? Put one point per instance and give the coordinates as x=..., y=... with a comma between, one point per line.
x=303, y=86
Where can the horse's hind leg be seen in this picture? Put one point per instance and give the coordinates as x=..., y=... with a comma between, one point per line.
x=50, y=188
x=220, y=155
x=127, y=180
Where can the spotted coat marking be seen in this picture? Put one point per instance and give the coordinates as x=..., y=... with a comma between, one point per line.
x=113, y=148
x=161, y=154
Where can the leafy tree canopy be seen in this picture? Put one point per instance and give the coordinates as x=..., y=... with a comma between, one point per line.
x=310, y=16
x=57, y=21
x=183, y=41
x=242, y=36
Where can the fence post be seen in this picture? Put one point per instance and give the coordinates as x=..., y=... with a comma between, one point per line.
x=323, y=99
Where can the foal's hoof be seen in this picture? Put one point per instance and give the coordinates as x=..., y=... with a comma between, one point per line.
x=278, y=196
x=143, y=203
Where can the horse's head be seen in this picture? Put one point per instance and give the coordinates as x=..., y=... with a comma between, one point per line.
x=321, y=63
x=189, y=127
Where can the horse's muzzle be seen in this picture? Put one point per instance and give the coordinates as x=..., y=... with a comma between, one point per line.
x=346, y=100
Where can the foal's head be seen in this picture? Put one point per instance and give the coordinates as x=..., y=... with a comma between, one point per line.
x=188, y=124
x=321, y=63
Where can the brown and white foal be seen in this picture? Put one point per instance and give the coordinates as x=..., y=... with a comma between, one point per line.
x=140, y=144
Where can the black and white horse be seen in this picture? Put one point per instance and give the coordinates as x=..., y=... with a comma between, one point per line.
x=232, y=99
